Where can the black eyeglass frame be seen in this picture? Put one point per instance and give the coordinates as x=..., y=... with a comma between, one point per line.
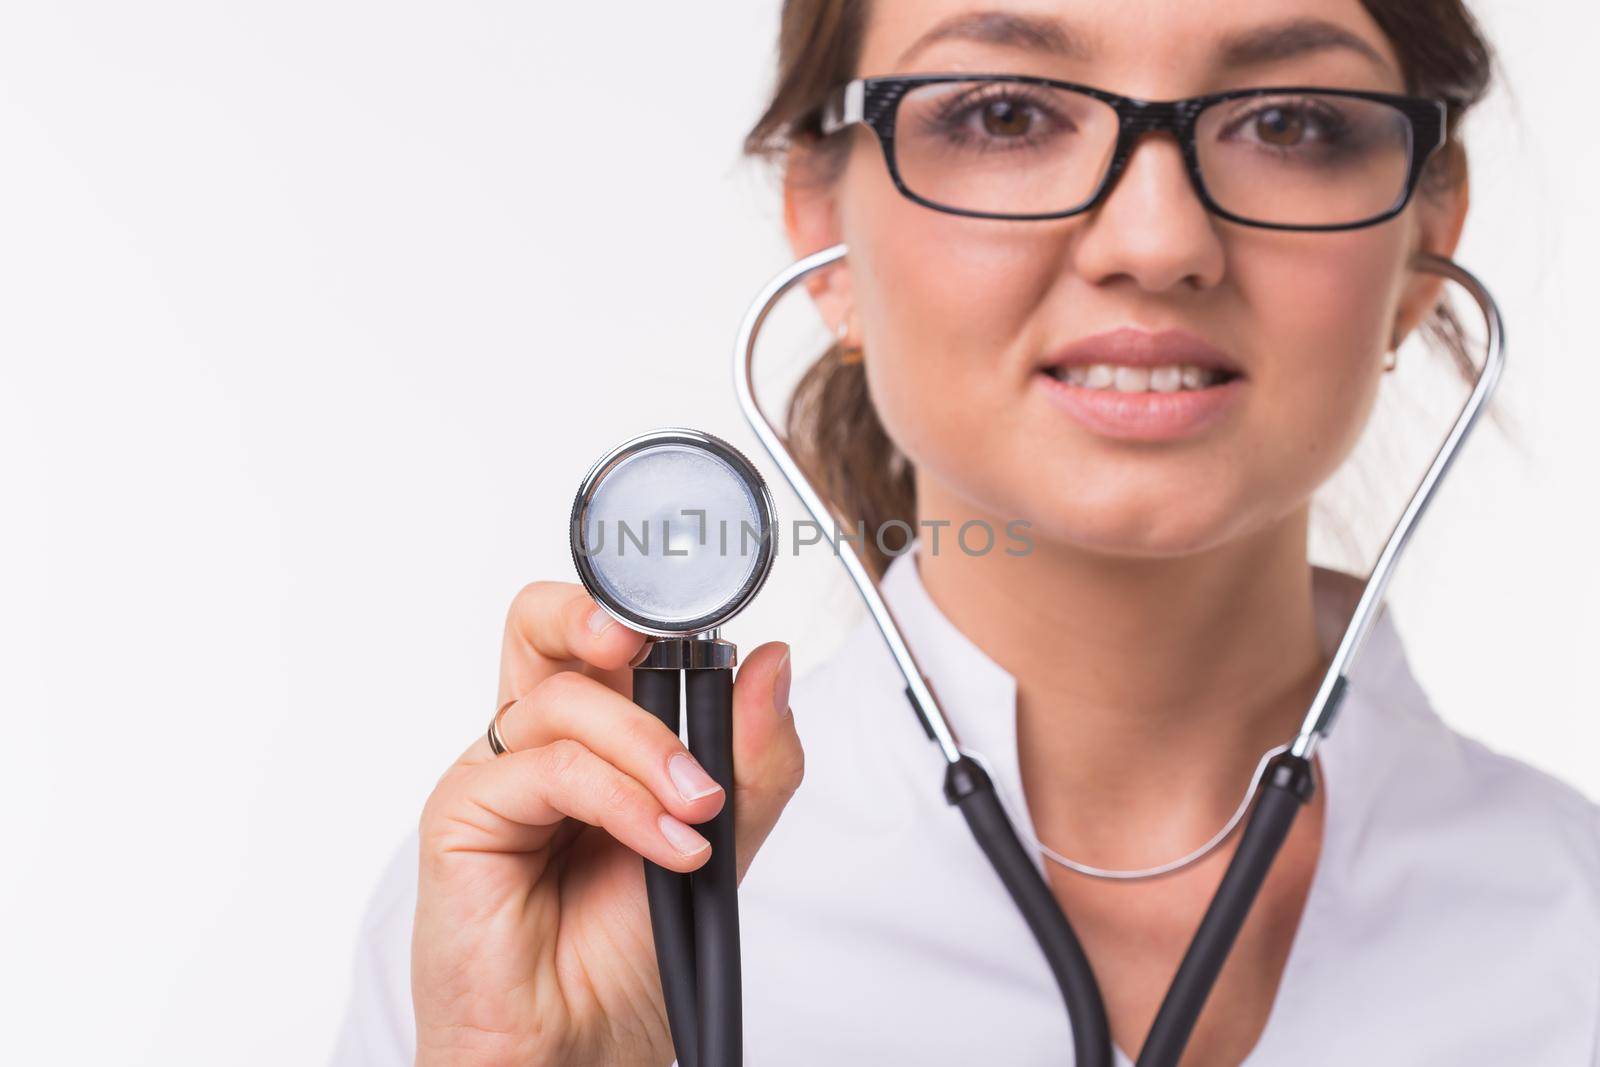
x=875, y=102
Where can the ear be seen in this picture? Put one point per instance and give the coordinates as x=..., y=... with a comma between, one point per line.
x=811, y=218
x=1440, y=220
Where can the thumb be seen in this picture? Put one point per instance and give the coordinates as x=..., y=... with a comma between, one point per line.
x=768, y=763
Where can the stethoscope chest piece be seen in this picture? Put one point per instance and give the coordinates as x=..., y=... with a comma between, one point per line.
x=673, y=533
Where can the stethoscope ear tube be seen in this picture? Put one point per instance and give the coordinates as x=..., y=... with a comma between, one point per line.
x=1284, y=790
x=714, y=888
x=971, y=790
x=694, y=918
x=1320, y=718
x=671, y=912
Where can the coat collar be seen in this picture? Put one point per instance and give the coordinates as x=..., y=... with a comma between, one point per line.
x=979, y=697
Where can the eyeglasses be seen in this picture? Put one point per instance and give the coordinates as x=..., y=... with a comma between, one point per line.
x=1011, y=146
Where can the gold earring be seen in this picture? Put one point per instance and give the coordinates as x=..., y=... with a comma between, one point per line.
x=1391, y=359
x=848, y=353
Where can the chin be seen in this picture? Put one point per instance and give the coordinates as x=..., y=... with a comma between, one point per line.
x=1134, y=525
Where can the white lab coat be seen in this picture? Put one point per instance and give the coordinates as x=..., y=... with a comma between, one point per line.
x=1453, y=919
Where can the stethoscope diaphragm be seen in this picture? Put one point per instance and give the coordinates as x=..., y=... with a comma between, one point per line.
x=673, y=532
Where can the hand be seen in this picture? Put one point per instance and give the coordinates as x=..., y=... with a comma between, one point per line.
x=532, y=939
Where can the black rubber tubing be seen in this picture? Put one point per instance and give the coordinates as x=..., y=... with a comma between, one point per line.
x=968, y=787
x=714, y=887
x=671, y=918
x=1285, y=788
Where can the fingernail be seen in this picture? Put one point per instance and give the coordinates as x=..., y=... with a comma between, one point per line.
x=691, y=779
x=600, y=621
x=680, y=835
x=780, y=687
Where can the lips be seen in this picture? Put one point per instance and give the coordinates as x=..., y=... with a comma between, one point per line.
x=1130, y=347
x=1134, y=384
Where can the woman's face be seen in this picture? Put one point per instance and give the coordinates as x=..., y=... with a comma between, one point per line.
x=961, y=317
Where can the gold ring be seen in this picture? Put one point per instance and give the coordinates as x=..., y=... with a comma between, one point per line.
x=497, y=743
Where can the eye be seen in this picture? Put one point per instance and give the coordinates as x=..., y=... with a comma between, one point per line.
x=1008, y=117
x=995, y=116
x=1290, y=124
x=1282, y=126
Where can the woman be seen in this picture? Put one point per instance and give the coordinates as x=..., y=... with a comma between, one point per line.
x=1156, y=381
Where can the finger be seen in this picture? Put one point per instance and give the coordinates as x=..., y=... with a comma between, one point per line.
x=517, y=802
x=613, y=727
x=557, y=626
x=768, y=761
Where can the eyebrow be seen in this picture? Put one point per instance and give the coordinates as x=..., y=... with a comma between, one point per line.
x=1295, y=37
x=1008, y=29
x=1258, y=46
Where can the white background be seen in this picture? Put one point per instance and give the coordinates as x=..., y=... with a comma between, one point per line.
x=312, y=315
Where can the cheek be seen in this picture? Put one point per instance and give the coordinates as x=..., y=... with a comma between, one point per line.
x=1318, y=312
x=937, y=284
x=948, y=309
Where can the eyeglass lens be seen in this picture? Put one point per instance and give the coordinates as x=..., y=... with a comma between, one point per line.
x=1010, y=148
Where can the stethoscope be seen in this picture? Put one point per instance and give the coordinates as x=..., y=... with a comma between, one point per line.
x=684, y=602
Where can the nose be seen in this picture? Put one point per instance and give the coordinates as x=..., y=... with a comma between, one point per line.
x=1151, y=226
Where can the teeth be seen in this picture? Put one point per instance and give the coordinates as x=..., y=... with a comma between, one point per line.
x=1132, y=379
x=1125, y=379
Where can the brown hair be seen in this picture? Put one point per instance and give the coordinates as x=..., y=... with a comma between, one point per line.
x=831, y=423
